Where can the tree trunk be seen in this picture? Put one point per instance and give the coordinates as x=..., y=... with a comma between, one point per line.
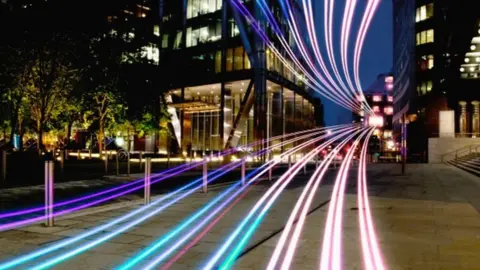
x=40, y=138
x=100, y=137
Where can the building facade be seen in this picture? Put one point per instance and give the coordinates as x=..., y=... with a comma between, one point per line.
x=435, y=67
x=225, y=87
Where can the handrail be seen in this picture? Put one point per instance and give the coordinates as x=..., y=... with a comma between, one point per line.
x=460, y=151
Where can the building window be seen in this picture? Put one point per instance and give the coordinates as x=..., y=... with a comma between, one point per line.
x=377, y=98
x=424, y=12
x=425, y=37
x=390, y=98
x=197, y=8
x=152, y=53
x=424, y=87
x=238, y=60
x=376, y=109
x=156, y=30
x=165, y=41
x=218, y=62
x=426, y=62
x=204, y=34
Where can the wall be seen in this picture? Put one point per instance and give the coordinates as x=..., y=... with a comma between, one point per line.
x=439, y=146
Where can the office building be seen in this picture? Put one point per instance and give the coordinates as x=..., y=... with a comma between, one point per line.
x=435, y=67
x=225, y=87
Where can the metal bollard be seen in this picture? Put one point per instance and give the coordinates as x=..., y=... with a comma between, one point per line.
x=128, y=163
x=105, y=160
x=62, y=160
x=4, y=166
x=78, y=154
x=48, y=192
x=118, y=164
x=270, y=174
x=66, y=154
x=289, y=161
x=205, y=177
x=140, y=155
x=243, y=172
x=148, y=170
x=89, y=153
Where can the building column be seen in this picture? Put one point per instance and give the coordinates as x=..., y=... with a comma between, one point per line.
x=463, y=119
x=260, y=90
x=476, y=118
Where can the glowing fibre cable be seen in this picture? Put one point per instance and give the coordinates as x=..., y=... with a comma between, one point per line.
x=345, y=39
x=211, y=263
x=205, y=230
x=307, y=195
x=58, y=259
x=287, y=10
x=365, y=25
x=260, y=171
x=163, y=175
x=319, y=88
x=371, y=252
x=228, y=262
x=140, y=181
x=221, y=171
x=131, y=263
x=331, y=248
x=25, y=258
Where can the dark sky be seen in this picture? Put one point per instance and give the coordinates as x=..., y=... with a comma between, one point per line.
x=377, y=51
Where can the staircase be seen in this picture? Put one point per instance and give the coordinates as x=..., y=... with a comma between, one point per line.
x=466, y=158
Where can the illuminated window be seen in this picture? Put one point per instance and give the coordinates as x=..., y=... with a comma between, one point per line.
x=165, y=41
x=376, y=109
x=203, y=34
x=156, y=30
x=390, y=98
x=426, y=62
x=389, y=79
x=388, y=110
x=387, y=134
x=377, y=98
x=425, y=37
x=424, y=12
x=152, y=53
x=197, y=8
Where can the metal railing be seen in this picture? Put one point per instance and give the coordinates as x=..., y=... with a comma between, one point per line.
x=461, y=152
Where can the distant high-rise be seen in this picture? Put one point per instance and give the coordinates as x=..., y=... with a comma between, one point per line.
x=435, y=64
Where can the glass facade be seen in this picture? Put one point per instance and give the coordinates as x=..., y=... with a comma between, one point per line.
x=197, y=8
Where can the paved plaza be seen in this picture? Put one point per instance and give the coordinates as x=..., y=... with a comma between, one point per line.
x=427, y=219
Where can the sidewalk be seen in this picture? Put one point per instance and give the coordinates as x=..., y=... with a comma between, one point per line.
x=428, y=219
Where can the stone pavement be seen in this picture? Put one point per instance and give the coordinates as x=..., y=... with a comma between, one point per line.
x=428, y=219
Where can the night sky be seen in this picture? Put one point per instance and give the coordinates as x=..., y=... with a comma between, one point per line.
x=377, y=51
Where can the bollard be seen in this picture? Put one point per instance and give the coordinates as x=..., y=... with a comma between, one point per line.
x=105, y=160
x=140, y=155
x=128, y=163
x=62, y=160
x=289, y=161
x=4, y=166
x=48, y=191
x=243, y=172
x=89, y=153
x=148, y=170
x=205, y=177
x=270, y=174
x=118, y=164
x=66, y=154
x=78, y=154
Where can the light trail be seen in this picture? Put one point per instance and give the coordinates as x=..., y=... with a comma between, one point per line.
x=284, y=179
x=217, y=173
x=205, y=231
x=317, y=87
x=306, y=199
x=131, y=263
x=163, y=175
x=232, y=257
x=372, y=256
x=372, y=5
x=331, y=248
